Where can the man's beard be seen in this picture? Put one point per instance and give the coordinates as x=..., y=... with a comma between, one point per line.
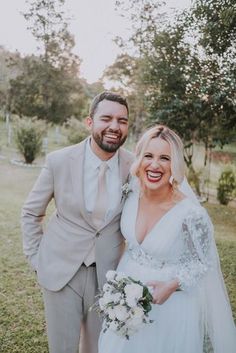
x=108, y=147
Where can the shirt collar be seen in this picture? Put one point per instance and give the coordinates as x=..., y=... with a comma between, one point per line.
x=94, y=161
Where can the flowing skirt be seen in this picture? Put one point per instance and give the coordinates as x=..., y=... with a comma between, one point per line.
x=177, y=326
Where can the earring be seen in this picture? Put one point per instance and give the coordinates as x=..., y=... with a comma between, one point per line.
x=174, y=185
x=171, y=180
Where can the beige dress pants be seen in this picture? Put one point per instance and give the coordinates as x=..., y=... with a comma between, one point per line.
x=71, y=327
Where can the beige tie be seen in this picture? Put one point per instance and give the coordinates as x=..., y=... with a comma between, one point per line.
x=100, y=208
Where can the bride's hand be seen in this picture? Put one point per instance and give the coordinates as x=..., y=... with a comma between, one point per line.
x=162, y=290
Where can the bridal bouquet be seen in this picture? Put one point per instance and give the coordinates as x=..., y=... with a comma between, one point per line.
x=124, y=304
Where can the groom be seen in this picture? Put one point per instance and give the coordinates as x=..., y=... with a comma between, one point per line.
x=82, y=239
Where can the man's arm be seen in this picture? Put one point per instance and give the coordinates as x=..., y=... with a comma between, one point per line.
x=34, y=211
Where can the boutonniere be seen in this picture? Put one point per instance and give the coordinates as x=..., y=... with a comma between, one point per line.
x=125, y=189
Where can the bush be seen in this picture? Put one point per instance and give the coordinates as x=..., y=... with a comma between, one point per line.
x=29, y=136
x=194, y=180
x=226, y=187
x=75, y=130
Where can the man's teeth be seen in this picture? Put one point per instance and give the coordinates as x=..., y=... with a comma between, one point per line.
x=111, y=136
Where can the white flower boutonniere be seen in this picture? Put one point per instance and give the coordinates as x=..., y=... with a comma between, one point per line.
x=125, y=189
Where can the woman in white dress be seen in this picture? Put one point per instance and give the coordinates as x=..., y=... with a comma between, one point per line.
x=171, y=248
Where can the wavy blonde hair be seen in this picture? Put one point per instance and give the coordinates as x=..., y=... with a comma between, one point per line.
x=176, y=147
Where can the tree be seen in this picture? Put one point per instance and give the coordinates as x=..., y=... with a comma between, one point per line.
x=65, y=93
x=10, y=68
x=188, y=86
x=49, y=86
x=215, y=20
x=126, y=71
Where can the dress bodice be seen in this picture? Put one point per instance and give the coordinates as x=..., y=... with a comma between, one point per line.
x=179, y=242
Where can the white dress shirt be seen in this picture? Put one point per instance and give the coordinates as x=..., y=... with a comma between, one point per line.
x=113, y=182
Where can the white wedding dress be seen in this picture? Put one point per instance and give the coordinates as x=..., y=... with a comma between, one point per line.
x=180, y=245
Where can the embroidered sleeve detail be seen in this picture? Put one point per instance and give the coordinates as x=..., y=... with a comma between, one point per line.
x=196, y=260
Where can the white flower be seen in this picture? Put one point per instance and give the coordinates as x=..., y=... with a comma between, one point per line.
x=111, y=313
x=133, y=293
x=120, y=304
x=125, y=189
x=116, y=297
x=134, y=322
x=131, y=302
x=120, y=276
x=121, y=312
x=107, y=298
x=113, y=326
x=137, y=312
x=110, y=275
x=102, y=303
x=107, y=287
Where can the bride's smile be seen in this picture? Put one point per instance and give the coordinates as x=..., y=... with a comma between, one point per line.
x=155, y=168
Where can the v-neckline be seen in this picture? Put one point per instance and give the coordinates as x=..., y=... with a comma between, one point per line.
x=156, y=223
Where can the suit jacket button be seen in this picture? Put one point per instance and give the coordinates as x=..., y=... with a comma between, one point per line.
x=97, y=234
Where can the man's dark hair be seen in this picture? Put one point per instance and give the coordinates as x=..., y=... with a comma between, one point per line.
x=109, y=96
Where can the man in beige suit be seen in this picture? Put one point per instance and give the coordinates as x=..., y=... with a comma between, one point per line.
x=82, y=240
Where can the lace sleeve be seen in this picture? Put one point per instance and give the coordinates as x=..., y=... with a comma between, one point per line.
x=197, y=231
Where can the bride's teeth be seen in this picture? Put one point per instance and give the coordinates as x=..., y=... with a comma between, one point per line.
x=154, y=175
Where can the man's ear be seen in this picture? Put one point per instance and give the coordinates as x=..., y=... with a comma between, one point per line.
x=89, y=122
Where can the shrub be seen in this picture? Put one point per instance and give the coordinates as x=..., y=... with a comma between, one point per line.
x=194, y=179
x=75, y=130
x=29, y=136
x=226, y=187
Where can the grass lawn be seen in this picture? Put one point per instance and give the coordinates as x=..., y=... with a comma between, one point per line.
x=22, y=327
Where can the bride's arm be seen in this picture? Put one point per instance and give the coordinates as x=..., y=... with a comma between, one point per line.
x=196, y=259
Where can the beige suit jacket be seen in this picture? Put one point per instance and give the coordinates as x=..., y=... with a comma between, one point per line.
x=57, y=252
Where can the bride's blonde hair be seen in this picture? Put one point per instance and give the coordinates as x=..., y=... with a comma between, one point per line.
x=176, y=147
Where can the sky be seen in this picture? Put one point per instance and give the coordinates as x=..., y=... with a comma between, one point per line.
x=95, y=24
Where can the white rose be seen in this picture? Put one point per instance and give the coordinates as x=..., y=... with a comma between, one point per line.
x=134, y=322
x=116, y=297
x=102, y=303
x=121, y=312
x=137, y=312
x=110, y=275
x=133, y=293
x=113, y=326
x=120, y=276
x=131, y=301
x=134, y=290
x=107, y=298
x=107, y=287
x=111, y=313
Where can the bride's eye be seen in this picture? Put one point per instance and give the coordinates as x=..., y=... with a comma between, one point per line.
x=165, y=158
x=148, y=155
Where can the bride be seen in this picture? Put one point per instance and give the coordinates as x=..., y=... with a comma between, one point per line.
x=171, y=248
